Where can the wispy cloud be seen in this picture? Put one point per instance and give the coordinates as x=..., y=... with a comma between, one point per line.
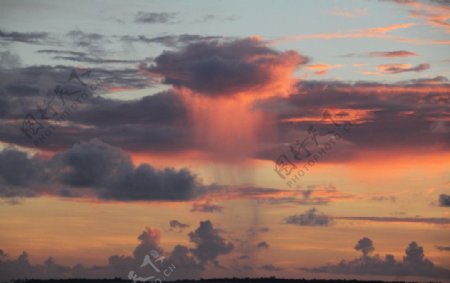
x=347, y=13
x=402, y=68
x=154, y=18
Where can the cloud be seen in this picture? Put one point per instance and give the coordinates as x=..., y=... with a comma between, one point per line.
x=443, y=248
x=209, y=243
x=171, y=40
x=313, y=195
x=271, y=268
x=348, y=13
x=414, y=263
x=385, y=54
x=206, y=207
x=187, y=267
x=322, y=69
x=367, y=103
x=25, y=37
x=444, y=200
x=177, y=224
x=392, y=54
x=185, y=263
x=83, y=57
x=376, y=32
x=397, y=219
x=93, y=164
x=20, y=175
x=365, y=245
x=154, y=18
x=92, y=42
x=384, y=198
x=97, y=169
x=263, y=245
x=9, y=60
x=226, y=68
x=433, y=13
x=310, y=217
x=402, y=68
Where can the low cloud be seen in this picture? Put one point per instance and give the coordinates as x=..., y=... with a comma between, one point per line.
x=270, y=267
x=414, y=263
x=93, y=168
x=206, y=207
x=443, y=248
x=209, y=243
x=263, y=245
x=444, y=200
x=175, y=224
x=187, y=263
x=25, y=37
x=310, y=217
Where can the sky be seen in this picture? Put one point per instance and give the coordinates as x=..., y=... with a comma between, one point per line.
x=196, y=139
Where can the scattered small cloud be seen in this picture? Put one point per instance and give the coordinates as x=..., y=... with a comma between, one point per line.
x=263, y=245
x=402, y=68
x=321, y=68
x=154, y=18
x=271, y=268
x=444, y=200
x=207, y=206
x=443, y=248
x=309, y=218
x=347, y=13
x=392, y=54
x=175, y=224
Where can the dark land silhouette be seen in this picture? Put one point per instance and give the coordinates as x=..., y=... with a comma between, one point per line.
x=213, y=280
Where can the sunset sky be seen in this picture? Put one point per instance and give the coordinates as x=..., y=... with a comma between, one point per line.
x=296, y=139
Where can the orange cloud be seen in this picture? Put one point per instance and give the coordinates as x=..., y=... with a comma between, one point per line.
x=401, y=68
x=378, y=32
x=433, y=14
x=322, y=69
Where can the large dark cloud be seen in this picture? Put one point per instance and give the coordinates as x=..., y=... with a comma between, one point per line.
x=157, y=121
x=20, y=175
x=414, y=263
x=413, y=110
x=218, y=68
x=206, y=207
x=97, y=169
